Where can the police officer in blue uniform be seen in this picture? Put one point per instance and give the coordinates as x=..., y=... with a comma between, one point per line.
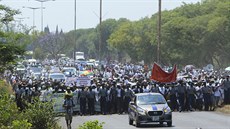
x=82, y=96
x=91, y=101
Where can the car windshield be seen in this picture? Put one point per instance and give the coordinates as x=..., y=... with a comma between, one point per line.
x=69, y=70
x=57, y=76
x=20, y=66
x=36, y=69
x=150, y=99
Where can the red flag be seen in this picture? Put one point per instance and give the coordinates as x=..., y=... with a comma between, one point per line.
x=160, y=75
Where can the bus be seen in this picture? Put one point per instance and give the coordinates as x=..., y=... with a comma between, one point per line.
x=79, y=56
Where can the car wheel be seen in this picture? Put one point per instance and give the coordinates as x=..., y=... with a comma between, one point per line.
x=169, y=124
x=130, y=121
x=137, y=123
x=161, y=123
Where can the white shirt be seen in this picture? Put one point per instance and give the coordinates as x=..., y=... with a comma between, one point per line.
x=217, y=92
x=118, y=92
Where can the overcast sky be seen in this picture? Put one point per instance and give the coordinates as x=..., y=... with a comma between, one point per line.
x=61, y=12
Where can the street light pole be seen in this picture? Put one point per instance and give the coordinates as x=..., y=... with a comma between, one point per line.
x=159, y=33
x=100, y=31
x=42, y=1
x=75, y=28
x=33, y=8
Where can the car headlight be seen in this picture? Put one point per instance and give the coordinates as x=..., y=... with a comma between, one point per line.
x=167, y=110
x=141, y=111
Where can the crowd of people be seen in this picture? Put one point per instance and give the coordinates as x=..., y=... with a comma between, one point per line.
x=115, y=85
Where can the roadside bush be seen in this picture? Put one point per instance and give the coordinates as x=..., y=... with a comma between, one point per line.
x=11, y=118
x=23, y=124
x=38, y=115
x=18, y=124
x=8, y=110
x=41, y=115
x=92, y=125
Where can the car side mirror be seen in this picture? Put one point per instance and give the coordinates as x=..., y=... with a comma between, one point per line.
x=168, y=101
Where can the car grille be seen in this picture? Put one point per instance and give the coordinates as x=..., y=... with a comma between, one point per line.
x=155, y=113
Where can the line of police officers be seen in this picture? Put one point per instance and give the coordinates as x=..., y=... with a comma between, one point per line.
x=114, y=96
x=25, y=92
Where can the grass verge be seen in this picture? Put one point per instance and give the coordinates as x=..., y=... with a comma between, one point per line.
x=225, y=109
x=5, y=88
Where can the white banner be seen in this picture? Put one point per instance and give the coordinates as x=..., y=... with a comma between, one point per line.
x=83, y=81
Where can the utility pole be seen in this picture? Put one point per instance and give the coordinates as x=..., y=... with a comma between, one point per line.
x=159, y=33
x=75, y=29
x=100, y=37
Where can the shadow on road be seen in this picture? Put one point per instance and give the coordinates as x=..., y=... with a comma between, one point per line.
x=154, y=126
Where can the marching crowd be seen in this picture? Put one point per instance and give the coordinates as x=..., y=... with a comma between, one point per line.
x=115, y=86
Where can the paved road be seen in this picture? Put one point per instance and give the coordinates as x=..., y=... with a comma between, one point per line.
x=185, y=120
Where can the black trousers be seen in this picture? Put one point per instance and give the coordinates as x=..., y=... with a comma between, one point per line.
x=119, y=105
x=108, y=106
x=91, y=105
x=199, y=104
x=83, y=106
x=173, y=100
x=103, y=105
x=207, y=101
x=191, y=101
x=113, y=104
x=227, y=96
x=126, y=103
x=181, y=101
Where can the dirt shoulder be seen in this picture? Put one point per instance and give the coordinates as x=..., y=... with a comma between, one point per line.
x=225, y=109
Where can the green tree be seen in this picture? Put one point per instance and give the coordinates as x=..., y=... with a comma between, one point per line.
x=7, y=15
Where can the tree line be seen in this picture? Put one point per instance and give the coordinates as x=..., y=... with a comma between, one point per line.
x=195, y=34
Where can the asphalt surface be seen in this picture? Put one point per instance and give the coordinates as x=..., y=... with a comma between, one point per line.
x=184, y=120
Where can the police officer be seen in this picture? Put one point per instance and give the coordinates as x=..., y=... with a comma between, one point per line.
x=108, y=99
x=19, y=92
x=191, y=92
x=91, y=100
x=226, y=85
x=82, y=96
x=128, y=94
x=173, y=97
x=113, y=94
x=120, y=94
x=181, y=90
x=162, y=89
x=138, y=89
x=199, y=99
x=154, y=88
x=207, y=96
x=102, y=95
